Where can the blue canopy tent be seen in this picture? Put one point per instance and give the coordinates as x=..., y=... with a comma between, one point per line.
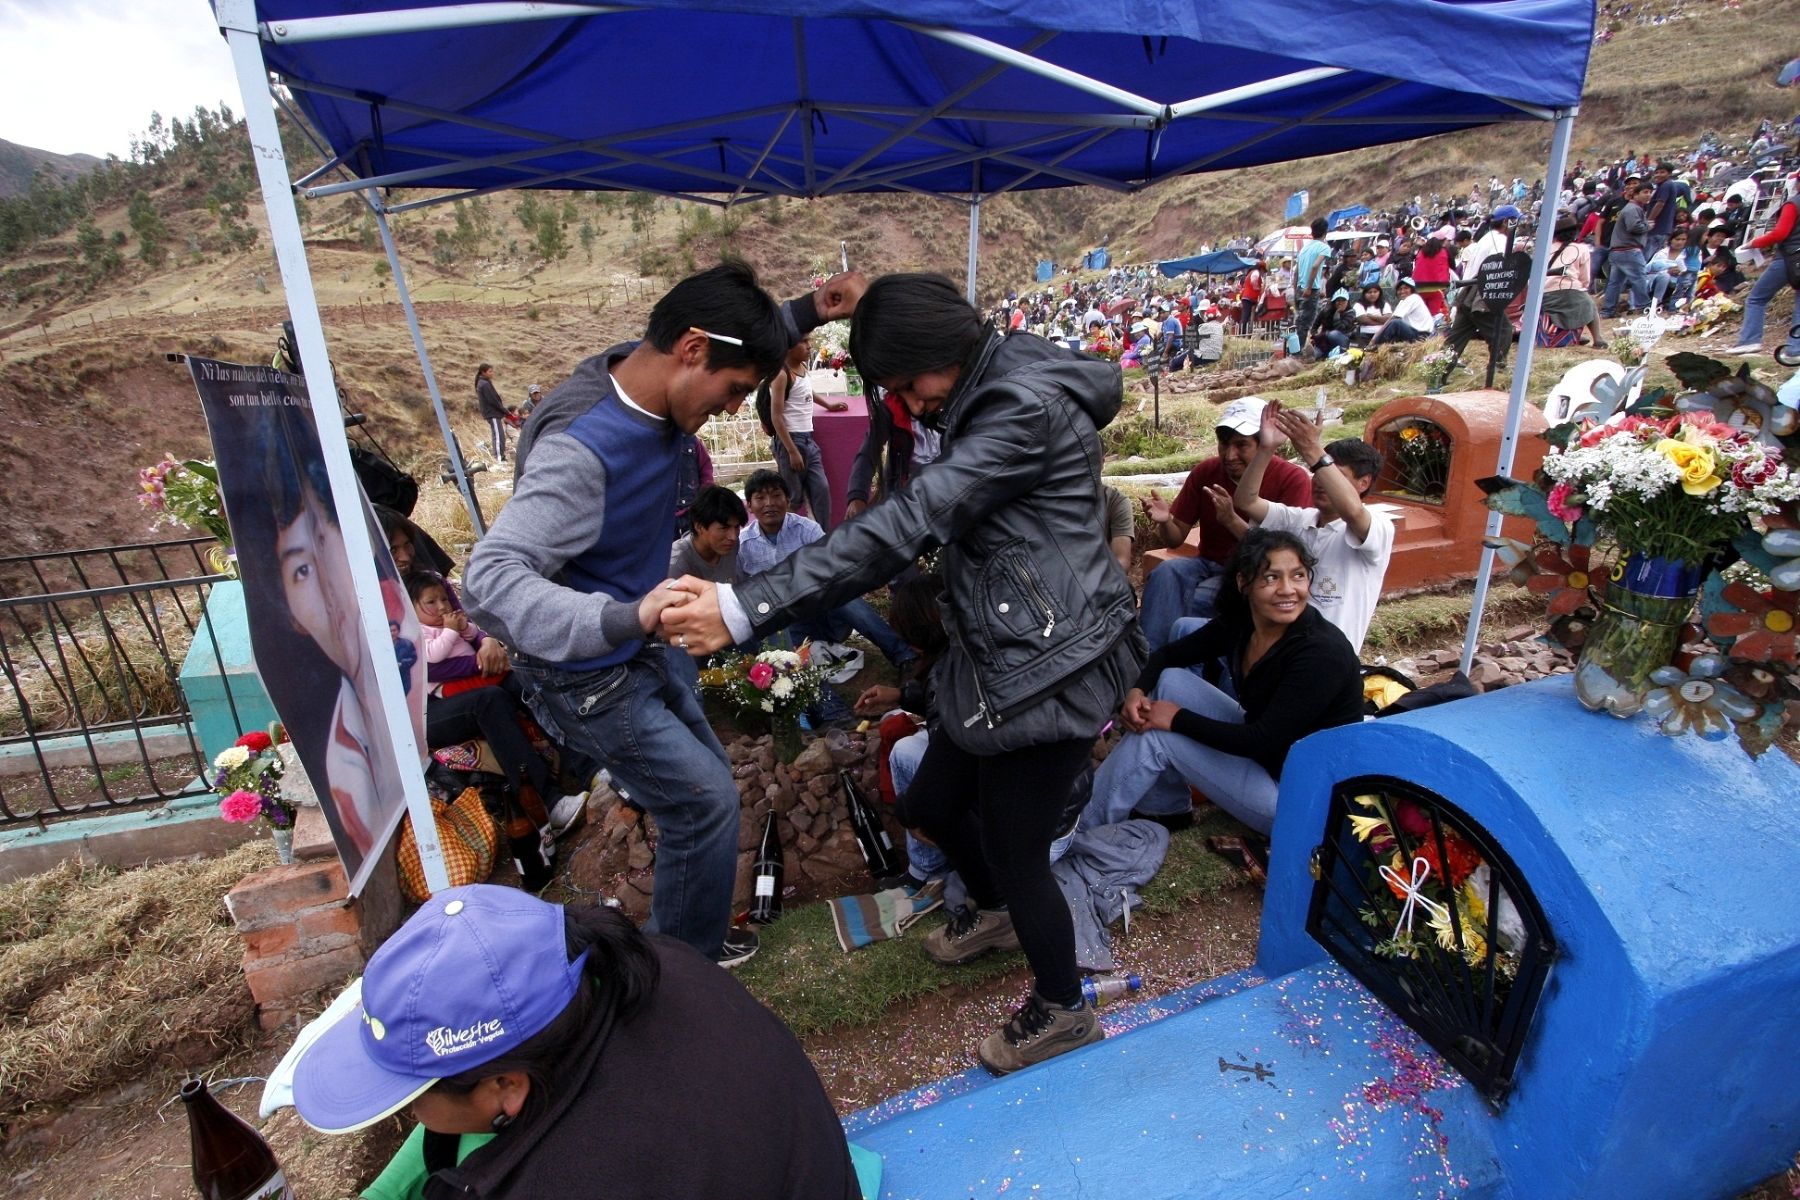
x=1219, y=262
x=731, y=101
x=1346, y=214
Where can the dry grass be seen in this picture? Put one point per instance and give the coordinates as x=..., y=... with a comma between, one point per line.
x=93, y=678
x=104, y=974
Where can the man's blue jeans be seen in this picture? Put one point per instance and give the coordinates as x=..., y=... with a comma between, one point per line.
x=1768, y=285
x=1180, y=587
x=928, y=862
x=643, y=722
x=1627, y=268
x=860, y=616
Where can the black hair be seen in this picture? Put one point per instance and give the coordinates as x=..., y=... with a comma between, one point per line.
x=725, y=300
x=764, y=480
x=417, y=581
x=1369, y=287
x=620, y=976
x=1249, y=559
x=426, y=551
x=910, y=323
x=483, y=369
x=917, y=618
x=717, y=505
x=1319, y=227
x=1356, y=456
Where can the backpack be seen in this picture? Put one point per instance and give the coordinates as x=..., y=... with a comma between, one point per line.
x=765, y=408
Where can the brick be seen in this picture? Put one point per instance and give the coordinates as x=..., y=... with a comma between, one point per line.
x=269, y=896
x=278, y=983
x=272, y=942
x=327, y=919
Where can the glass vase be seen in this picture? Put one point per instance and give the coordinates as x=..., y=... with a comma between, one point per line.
x=283, y=837
x=785, y=730
x=1637, y=631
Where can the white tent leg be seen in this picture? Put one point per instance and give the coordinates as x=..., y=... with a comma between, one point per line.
x=974, y=246
x=237, y=19
x=463, y=483
x=1534, y=306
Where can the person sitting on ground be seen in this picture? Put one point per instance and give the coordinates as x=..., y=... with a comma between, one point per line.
x=1371, y=312
x=1350, y=542
x=1121, y=528
x=1336, y=326
x=480, y=705
x=710, y=550
x=1411, y=322
x=1209, y=340
x=491, y=1012
x=1566, y=287
x=1294, y=673
x=1187, y=587
x=773, y=536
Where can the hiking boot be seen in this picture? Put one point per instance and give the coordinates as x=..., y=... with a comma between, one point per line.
x=740, y=947
x=971, y=933
x=1038, y=1031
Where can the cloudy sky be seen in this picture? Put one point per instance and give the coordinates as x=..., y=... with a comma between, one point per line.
x=82, y=76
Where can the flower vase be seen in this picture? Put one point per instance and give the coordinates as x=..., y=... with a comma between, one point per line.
x=283, y=837
x=1637, y=631
x=785, y=728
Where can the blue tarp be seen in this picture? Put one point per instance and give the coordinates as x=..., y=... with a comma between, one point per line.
x=813, y=97
x=1346, y=214
x=1045, y=269
x=1219, y=262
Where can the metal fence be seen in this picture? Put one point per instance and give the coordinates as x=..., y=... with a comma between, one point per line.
x=93, y=717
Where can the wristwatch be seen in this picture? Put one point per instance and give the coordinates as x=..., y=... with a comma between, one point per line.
x=1325, y=460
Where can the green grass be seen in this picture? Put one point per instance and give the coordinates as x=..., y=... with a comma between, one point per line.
x=812, y=985
x=1403, y=623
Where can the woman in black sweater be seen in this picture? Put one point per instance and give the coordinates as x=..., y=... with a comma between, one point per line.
x=1293, y=670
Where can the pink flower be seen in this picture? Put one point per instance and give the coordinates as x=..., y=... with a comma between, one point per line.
x=761, y=675
x=241, y=807
x=1753, y=473
x=1560, y=508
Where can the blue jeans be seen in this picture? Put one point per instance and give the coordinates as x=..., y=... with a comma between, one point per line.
x=1180, y=587
x=857, y=616
x=1627, y=268
x=1596, y=263
x=1397, y=330
x=1768, y=285
x=806, y=480
x=928, y=862
x=1152, y=771
x=643, y=722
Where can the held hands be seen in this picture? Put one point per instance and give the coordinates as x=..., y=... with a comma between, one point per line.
x=1135, y=712
x=1162, y=715
x=838, y=296
x=691, y=619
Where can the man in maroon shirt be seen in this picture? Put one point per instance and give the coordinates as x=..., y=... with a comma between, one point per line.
x=1187, y=587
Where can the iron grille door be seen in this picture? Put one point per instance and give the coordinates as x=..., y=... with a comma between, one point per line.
x=1432, y=916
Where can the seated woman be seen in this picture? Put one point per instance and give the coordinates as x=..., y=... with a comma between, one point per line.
x=1336, y=326
x=1566, y=300
x=1293, y=670
x=557, y=1030
x=1371, y=313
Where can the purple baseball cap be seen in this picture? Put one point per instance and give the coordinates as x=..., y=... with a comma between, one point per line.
x=476, y=972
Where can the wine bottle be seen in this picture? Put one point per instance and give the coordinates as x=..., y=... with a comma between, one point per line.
x=230, y=1160
x=765, y=903
x=871, y=836
x=533, y=853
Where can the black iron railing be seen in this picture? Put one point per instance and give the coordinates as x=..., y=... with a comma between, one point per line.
x=1427, y=910
x=93, y=717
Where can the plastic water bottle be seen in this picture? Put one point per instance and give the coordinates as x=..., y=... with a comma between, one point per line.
x=1098, y=990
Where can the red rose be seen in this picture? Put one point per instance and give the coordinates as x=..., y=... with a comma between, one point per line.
x=256, y=741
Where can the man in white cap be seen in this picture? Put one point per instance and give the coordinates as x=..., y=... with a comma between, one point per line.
x=1186, y=587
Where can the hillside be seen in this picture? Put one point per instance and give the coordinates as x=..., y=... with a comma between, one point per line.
x=18, y=165
x=172, y=254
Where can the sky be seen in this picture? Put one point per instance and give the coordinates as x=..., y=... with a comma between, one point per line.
x=82, y=76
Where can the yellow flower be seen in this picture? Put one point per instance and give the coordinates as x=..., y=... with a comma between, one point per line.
x=1409, y=433
x=1696, y=464
x=1366, y=827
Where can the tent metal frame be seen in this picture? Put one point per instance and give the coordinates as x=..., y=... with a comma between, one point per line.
x=765, y=174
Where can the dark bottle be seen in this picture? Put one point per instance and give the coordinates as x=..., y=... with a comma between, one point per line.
x=765, y=902
x=871, y=836
x=231, y=1160
x=533, y=849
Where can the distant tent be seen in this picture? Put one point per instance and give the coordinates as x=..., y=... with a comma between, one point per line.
x=1045, y=269
x=1219, y=262
x=1790, y=74
x=1098, y=260
x=1346, y=214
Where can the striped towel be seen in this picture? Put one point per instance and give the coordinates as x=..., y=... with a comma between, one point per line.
x=860, y=920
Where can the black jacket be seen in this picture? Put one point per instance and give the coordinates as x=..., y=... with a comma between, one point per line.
x=491, y=404
x=1308, y=681
x=702, y=1093
x=1033, y=597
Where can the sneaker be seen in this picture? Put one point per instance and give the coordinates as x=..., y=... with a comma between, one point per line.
x=1746, y=349
x=1039, y=1031
x=740, y=947
x=969, y=934
x=568, y=813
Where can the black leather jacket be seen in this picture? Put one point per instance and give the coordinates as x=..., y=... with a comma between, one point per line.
x=1035, y=605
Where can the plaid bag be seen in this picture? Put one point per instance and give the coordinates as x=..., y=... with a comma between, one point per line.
x=469, y=839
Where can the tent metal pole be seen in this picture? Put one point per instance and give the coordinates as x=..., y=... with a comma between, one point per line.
x=424, y=20
x=463, y=483
x=1037, y=66
x=237, y=20
x=1252, y=91
x=1560, y=137
x=974, y=233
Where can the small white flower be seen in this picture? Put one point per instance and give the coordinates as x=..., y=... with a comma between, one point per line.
x=782, y=688
x=231, y=756
x=768, y=706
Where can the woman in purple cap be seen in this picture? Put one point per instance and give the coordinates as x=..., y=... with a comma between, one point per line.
x=559, y=1031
